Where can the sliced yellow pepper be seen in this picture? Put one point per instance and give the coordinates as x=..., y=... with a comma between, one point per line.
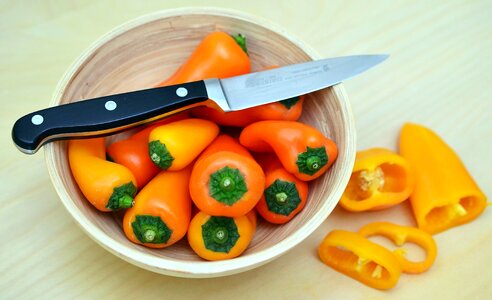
x=380, y=179
x=353, y=255
x=445, y=194
x=400, y=235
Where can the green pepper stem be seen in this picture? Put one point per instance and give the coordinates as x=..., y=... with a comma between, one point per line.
x=281, y=197
x=220, y=234
x=312, y=160
x=149, y=235
x=227, y=184
x=122, y=196
x=126, y=201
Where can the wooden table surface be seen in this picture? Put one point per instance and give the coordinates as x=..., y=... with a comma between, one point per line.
x=439, y=74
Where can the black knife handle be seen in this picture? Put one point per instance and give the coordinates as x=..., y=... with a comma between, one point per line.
x=104, y=115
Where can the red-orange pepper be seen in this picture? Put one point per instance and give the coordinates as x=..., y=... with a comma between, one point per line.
x=302, y=149
x=133, y=152
x=400, y=235
x=285, y=195
x=289, y=110
x=353, y=255
x=226, y=180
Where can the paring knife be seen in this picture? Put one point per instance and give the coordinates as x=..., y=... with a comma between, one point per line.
x=110, y=114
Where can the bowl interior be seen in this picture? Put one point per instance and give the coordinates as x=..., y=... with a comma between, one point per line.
x=143, y=53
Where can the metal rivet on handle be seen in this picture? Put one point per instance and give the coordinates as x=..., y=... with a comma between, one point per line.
x=110, y=105
x=37, y=119
x=182, y=92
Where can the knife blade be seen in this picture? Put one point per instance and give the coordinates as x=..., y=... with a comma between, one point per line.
x=109, y=114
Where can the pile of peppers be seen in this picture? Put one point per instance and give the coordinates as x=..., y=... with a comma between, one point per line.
x=441, y=192
x=187, y=175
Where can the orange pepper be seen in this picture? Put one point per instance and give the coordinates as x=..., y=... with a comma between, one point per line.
x=227, y=184
x=289, y=109
x=106, y=185
x=162, y=211
x=133, y=152
x=355, y=256
x=400, y=235
x=284, y=196
x=303, y=150
x=380, y=179
x=175, y=145
x=218, y=238
x=218, y=55
x=445, y=194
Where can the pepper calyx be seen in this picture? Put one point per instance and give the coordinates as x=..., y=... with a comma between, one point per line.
x=312, y=160
x=122, y=196
x=241, y=41
x=282, y=197
x=151, y=229
x=160, y=155
x=288, y=103
x=220, y=234
x=227, y=185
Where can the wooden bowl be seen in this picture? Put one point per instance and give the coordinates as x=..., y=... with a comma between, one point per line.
x=145, y=51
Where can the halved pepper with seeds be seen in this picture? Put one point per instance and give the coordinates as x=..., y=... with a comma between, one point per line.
x=285, y=195
x=355, y=256
x=303, y=150
x=380, y=179
x=445, y=194
x=400, y=235
x=162, y=210
x=106, y=185
x=218, y=238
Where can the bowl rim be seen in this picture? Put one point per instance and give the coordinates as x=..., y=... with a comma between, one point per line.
x=197, y=269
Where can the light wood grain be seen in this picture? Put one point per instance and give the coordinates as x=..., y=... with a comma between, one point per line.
x=438, y=74
x=141, y=54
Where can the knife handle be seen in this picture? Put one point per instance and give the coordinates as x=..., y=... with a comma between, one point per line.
x=104, y=115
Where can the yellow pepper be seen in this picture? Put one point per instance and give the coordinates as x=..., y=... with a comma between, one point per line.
x=400, y=235
x=380, y=179
x=219, y=238
x=353, y=255
x=445, y=194
x=106, y=185
x=175, y=145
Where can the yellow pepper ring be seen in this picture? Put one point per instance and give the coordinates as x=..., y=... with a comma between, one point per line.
x=400, y=235
x=355, y=256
